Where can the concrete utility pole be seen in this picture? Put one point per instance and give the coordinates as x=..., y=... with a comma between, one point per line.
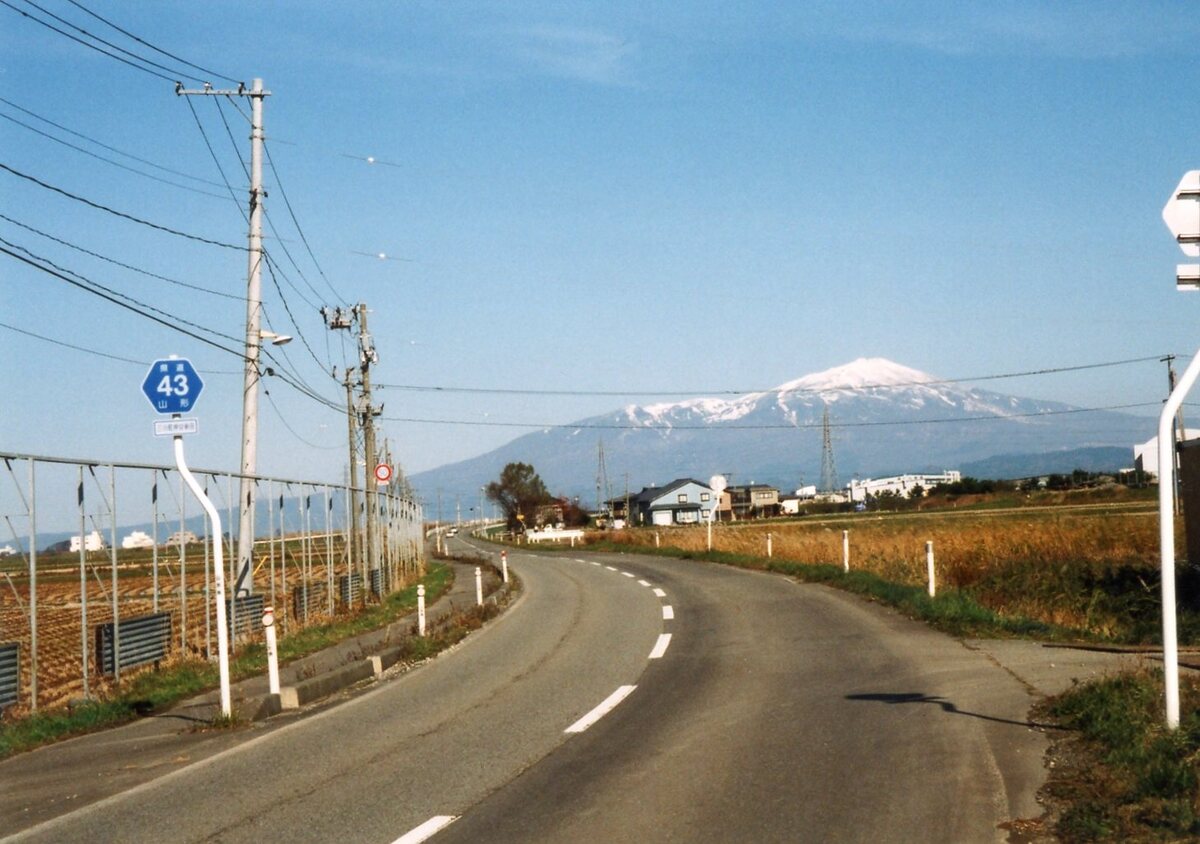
x=366, y=357
x=245, y=570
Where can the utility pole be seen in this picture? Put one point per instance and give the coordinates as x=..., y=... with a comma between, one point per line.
x=254, y=253
x=367, y=356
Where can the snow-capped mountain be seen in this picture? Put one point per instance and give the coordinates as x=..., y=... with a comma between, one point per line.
x=885, y=418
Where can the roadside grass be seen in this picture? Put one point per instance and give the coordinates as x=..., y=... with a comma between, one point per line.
x=1119, y=774
x=153, y=691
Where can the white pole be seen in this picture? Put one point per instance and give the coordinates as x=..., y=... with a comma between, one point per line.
x=710, y=534
x=504, y=564
x=218, y=575
x=929, y=565
x=420, y=609
x=1166, y=536
x=478, y=586
x=768, y=545
x=846, y=551
x=656, y=542
x=268, y=621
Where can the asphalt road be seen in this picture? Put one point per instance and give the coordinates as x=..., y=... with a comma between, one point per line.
x=774, y=712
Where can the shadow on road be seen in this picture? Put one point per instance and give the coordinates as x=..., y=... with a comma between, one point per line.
x=947, y=706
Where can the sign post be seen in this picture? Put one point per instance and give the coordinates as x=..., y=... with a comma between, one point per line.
x=718, y=484
x=1182, y=216
x=173, y=386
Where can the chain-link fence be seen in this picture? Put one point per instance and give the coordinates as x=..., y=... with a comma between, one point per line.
x=96, y=554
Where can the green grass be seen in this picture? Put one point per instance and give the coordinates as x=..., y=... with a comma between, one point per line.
x=1124, y=776
x=154, y=691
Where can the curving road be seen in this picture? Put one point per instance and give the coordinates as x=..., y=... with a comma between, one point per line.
x=627, y=698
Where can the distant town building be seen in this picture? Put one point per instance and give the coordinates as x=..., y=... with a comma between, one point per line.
x=7, y=551
x=902, y=485
x=92, y=542
x=184, y=537
x=137, y=539
x=752, y=501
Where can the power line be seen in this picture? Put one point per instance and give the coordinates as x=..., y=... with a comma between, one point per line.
x=216, y=161
x=98, y=353
x=303, y=238
x=781, y=426
x=119, y=294
x=116, y=213
x=113, y=149
x=99, y=157
x=426, y=388
x=291, y=430
x=117, y=263
x=145, y=43
x=88, y=44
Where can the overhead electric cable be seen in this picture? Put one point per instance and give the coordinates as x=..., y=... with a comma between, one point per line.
x=118, y=293
x=780, y=426
x=92, y=46
x=326, y=365
x=216, y=161
x=303, y=238
x=116, y=213
x=119, y=303
x=117, y=263
x=98, y=353
x=292, y=430
x=426, y=388
x=118, y=164
x=145, y=43
x=121, y=152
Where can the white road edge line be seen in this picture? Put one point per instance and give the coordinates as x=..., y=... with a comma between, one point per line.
x=668, y=612
x=600, y=711
x=660, y=593
x=426, y=830
x=660, y=647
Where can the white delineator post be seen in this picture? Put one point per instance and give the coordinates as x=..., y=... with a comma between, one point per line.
x=768, y=545
x=504, y=562
x=478, y=586
x=421, y=610
x=268, y=621
x=656, y=542
x=846, y=551
x=218, y=575
x=929, y=565
x=710, y=521
x=1166, y=536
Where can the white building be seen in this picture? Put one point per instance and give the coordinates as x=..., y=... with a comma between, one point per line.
x=185, y=537
x=8, y=551
x=137, y=539
x=92, y=542
x=1145, y=456
x=901, y=485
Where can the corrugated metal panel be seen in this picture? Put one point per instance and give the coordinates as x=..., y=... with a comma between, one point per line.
x=144, y=639
x=10, y=673
x=245, y=612
x=350, y=589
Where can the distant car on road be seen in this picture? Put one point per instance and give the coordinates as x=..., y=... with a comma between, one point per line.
x=452, y=532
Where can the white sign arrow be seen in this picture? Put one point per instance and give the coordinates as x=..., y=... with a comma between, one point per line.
x=1182, y=214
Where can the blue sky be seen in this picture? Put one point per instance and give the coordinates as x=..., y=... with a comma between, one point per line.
x=601, y=196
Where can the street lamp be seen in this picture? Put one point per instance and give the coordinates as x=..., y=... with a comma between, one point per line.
x=275, y=338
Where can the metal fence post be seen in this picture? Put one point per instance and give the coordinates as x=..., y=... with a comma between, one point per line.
x=207, y=538
x=83, y=622
x=33, y=640
x=112, y=510
x=328, y=550
x=154, y=537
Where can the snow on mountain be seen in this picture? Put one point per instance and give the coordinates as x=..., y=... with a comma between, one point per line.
x=885, y=418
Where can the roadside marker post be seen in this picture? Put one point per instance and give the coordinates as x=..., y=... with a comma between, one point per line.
x=929, y=565
x=421, y=610
x=504, y=564
x=478, y=586
x=768, y=546
x=846, y=551
x=268, y=621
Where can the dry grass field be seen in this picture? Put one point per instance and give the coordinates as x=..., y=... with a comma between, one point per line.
x=1091, y=568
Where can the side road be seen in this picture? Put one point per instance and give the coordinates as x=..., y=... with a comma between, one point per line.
x=59, y=778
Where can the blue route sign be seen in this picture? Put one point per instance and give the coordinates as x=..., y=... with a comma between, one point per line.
x=172, y=386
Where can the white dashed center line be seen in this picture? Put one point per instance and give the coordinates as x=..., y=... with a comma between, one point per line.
x=660, y=647
x=644, y=583
x=668, y=613
x=611, y=568
x=627, y=574
x=426, y=830
x=600, y=711
x=660, y=593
